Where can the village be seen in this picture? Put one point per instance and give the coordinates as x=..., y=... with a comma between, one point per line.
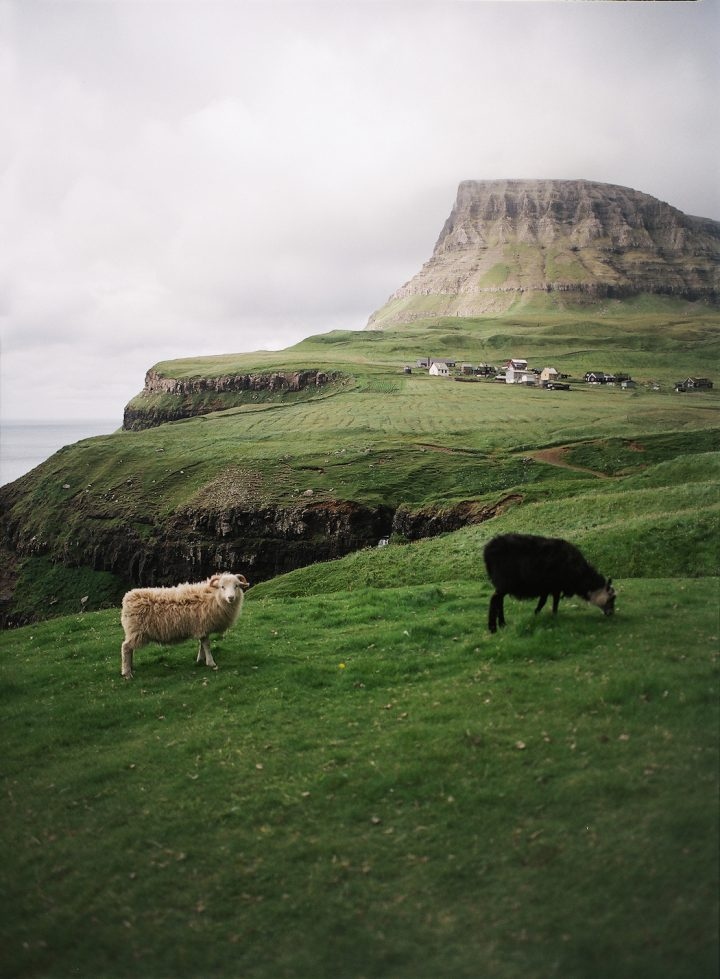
x=517, y=371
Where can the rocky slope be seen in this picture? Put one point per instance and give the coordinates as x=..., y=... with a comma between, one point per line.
x=508, y=241
x=198, y=538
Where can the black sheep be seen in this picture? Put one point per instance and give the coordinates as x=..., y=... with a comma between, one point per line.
x=526, y=566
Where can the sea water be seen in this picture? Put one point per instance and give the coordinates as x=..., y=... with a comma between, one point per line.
x=25, y=444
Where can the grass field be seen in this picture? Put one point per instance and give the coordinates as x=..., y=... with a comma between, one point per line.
x=371, y=786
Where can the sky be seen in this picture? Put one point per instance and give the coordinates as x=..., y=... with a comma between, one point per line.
x=190, y=177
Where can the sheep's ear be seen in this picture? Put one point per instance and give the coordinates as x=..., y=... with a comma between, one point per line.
x=214, y=581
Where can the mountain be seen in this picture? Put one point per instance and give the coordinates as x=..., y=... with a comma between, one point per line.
x=507, y=243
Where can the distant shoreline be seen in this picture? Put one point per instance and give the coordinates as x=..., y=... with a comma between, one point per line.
x=26, y=443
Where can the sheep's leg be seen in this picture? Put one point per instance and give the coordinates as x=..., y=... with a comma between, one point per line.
x=205, y=655
x=556, y=601
x=126, y=660
x=496, y=614
x=541, y=603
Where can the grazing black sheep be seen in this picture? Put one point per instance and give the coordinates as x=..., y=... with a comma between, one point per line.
x=526, y=566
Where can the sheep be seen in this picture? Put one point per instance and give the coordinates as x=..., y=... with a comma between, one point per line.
x=526, y=566
x=188, y=611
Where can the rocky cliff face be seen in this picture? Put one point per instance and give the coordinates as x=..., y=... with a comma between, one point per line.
x=508, y=240
x=192, y=543
x=166, y=399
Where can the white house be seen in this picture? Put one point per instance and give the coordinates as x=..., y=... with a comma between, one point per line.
x=549, y=374
x=439, y=369
x=516, y=372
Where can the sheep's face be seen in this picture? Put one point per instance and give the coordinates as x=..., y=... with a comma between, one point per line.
x=230, y=587
x=604, y=598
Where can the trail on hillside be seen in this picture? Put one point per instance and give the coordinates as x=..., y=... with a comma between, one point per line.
x=555, y=456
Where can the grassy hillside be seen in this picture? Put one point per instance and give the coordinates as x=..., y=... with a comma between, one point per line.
x=379, y=438
x=385, y=439
x=650, y=335
x=663, y=523
x=371, y=785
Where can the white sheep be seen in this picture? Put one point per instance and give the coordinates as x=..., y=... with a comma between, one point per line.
x=189, y=611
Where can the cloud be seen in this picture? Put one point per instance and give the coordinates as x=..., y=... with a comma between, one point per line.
x=181, y=178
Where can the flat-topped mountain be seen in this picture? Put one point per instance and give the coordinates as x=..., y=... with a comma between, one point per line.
x=508, y=242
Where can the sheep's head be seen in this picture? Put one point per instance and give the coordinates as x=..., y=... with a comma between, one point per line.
x=604, y=597
x=230, y=586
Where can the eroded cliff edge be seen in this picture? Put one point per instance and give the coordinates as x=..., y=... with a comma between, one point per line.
x=164, y=398
x=194, y=541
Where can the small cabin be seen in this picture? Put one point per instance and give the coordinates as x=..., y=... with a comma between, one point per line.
x=549, y=374
x=439, y=369
x=694, y=384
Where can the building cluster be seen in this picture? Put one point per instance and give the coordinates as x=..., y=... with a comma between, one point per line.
x=601, y=377
x=516, y=371
x=513, y=371
x=444, y=368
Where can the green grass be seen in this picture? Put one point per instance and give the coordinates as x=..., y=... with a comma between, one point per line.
x=495, y=276
x=406, y=422
x=65, y=590
x=614, y=456
x=651, y=532
x=369, y=786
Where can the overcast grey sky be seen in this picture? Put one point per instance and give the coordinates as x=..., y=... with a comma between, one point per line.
x=197, y=177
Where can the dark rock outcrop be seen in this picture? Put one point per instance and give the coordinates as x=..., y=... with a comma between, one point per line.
x=507, y=241
x=433, y=520
x=165, y=399
x=260, y=540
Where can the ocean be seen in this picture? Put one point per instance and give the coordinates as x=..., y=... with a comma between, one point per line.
x=24, y=445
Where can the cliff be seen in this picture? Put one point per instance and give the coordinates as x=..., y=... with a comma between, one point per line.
x=506, y=242
x=260, y=539
x=164, y=399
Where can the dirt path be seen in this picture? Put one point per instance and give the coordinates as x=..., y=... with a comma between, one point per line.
x=556, y=457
